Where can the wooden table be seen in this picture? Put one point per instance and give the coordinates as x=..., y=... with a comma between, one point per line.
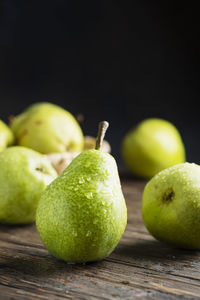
x=139, y=268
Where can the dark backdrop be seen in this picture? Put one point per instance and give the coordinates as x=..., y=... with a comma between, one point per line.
x=121, y=61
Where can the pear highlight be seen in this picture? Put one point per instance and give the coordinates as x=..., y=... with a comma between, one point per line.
x=82, y=214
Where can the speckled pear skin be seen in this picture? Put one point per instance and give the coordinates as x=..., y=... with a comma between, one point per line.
x=48, y=128
x=153, y=145
x=171, y=206
x=24, y=174
x=6, y=136
x=82, y=214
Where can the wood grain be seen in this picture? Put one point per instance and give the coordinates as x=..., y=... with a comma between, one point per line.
x=139, y=268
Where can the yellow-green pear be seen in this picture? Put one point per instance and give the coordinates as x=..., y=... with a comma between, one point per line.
x=24, y=174
x=153, y=145
x=171, y=206
x=82, y=214
x=6, y=136
x=47, y=128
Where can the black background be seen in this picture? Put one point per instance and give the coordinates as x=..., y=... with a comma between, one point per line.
x=122, y=61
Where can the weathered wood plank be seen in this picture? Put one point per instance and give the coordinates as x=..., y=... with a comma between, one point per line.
x=139, y=268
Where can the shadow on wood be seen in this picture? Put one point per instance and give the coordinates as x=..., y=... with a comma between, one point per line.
x=153, y=250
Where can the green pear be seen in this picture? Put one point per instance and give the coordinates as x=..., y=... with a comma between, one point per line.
x=171, y=206
x=82, y=214
x=153, y=145
x=47, y=128
x=6, y=136
x=24, y=174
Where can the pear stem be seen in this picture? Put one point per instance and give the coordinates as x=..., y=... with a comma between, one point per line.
x=103, y=126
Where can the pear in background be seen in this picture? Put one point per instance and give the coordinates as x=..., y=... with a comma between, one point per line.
x=6, y=136
x=24, y=174
x=82, y=214
x=47, y=128
x=153, y=145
